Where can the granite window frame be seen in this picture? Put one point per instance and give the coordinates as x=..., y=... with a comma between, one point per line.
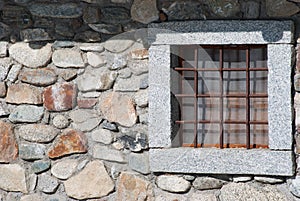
x=278, y=159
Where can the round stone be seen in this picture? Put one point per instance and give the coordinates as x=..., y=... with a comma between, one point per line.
x=60, y=121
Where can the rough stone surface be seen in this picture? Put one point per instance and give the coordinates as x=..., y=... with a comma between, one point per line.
x=3, y=89
x=92, y=182
x=128, y=85
x=3, y=109
x=115, y=15
x=38, y=77
x=23, y=93
x=206, y=183
x=228, y=8
x=118, y=108
x=60, y=97
x=109, y=126
x=105, y=153
x=67, y=58
x=173, y=183
x=139, y=162
x=95, y=60
x=29, y=56
x=14, y=72
x=139, y=54
x=106, y=28
x=64, y=169
x=12, y=178
x=86, y=103
x=91, y=47
x=40, y=166
x=8, y=143
x=85, y=120
x=3, y=48
x=241, y=179
x=118, y=62
x=5, y=64
x=118, y=45
x=144, y=11
x=103, y=135
x=56, y=10
x=269, y=180
x=31, y=151
x=60, y=121
x=138, y=67
x=37, y=132
x=31, y=35
x=70, y=142
x=47, y=184
x=250, y=9
x=281, y=8
x=26, y=113
x=294, y=186
x=91, y=15
x=141, y=98
x=135, y=144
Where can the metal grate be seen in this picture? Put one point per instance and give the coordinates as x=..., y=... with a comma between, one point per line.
x=222, y=93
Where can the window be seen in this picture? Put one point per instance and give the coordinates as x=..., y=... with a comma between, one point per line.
x=254, y=59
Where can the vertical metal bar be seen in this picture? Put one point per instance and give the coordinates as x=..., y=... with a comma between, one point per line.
x=221, y=98
x=181, y=87
x=247, y=98
x=196, y=98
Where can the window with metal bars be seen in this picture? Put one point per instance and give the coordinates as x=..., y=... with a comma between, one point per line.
x=222, y=96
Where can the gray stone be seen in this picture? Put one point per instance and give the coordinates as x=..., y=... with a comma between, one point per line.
x=281, y=8
x=26, y=113
x=3, y=109
x=88, y=36
x=106, y=28
x=91, y=14
x=32, y=35
x=64, y=169
x=43, y=197
x=241, y=179
x=109, y=126
x=4, y=30
x=31, y=151
x=47, y=184
x=56, y=10
x=118, y=44
x=5, y=64
x=139, y=162
x=141, y=98
x=144, y=11
x=37, y=132
x=203, y=196
x=229, y=8
x=105, y=153
x=244, y=191
x=67, y=58
x=12, y=178
x=127, y=85
x=173, y=183
x=207, y=183
x=68, y=74
x=294, y=186
x=40, y=166
x=189, y=177
x=3, y=89
x=92, y=182
x=32, y=181
x=119, y=62
x=3, y=48
x=115, y=15
x=250, y=9
x=93, y=47
x=14, y=72
x=269, y=180
x=144, y=83
x=136, y=144
x=124, y=73
x=38, y=77
x=60, y=121
x=103, y=135
x=92, y=94
x=29, y=56
x=62, y=44
x=95, y=60
x=85, y=120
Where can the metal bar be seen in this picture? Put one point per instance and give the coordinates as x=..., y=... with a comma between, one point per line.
x=196, y=98
x=181, y=87
x=221, y=98
x=224, y=122
x=247, y=98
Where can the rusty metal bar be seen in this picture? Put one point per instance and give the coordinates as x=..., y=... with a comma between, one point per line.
x=196, y=98
x=221, y=98
x=247, y=98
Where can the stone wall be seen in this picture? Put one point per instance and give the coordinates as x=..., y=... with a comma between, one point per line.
x=74, y=104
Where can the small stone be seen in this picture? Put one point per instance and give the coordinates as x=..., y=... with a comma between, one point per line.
x=23, y=93
x=85, y=120
x=2, y=89
x=38, y=77
x=26, y=113
x=294, y=186
x=60, y=121
x=86, y=103
x=141, y=98
x=281, y=8
x=139, y=162
x=106, y=28
x=127, y=85
x=104, y=153
x=70, y=142
x=91, y=15
x=40, y=166
x=8, y=143
x=63, y=44
x=228, y=8
x=91, y=47
x=173, y=183
x=189, y=177
x=92, y=94
x=60, y=97
x=118, y=108
x=115, y=15
x=64, y=169
x=92, y=182
x=14, y=72
x=110, y=126
x=136, y=144
x=124, y=73
x=269, y=180
x=68, y=74
x=118, y=44
x=32, y=181
x=119, y=62
x=144, y=11
x=144, y=82
x=4, y=30
x=5, y=64
x=139, y=54
x=66, y=58
x=3, y=48
x=47, y=184
x=31, y=151
x=3, y=109
x=132, y=187
x=241, y=179
x=88, y=36
x=12, y=178
x=102, y=135
x=29, y=56
x=138, y=67
x=207, y=183
x=56, y=10
x=37, y=132
x=95, y=60
x=32, y=35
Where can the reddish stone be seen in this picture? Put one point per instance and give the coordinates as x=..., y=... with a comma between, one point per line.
x=298, y=59
x=139, y=54
x=86, y=103
x=8, y=144
x=24, y=93
x=2, y=89
x=60, y=97
x=70, y=142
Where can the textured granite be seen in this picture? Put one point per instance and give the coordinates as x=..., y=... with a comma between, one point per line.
x=221, y=32
x=222, y=161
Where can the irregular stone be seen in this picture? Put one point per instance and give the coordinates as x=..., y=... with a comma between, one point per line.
x=35, y=197
x=119, y=62
x=47, y=184
x=4, y=30
x=3, y=109
x=60, y=121
x=85, y=120
x=2, y=89
x=68, y=74
x=102, y=135
x=40, y=166
x=88, y=36
x=173, y=183
x=12, y=178
x=180, y=10
x=269, y=180
x=118, y=108
x=43, y=22
x=104, y=153
x=109, y=126
x=91, y=15
x=202, y=196
x=92, y=94
x=5, y=64
x=86, y=103
x=43, y=197
x=107, y=28
x=189, y=177
x=92, y=182
x=294, y=186
x=18, y=17
x=228, y=8
x=139, y=162
x=38, y=77
x=144, y=11
x=138, y=67
x=96, y=79
x=62, y=44
x=207, y=183
x=136, y=144
x=115, y=15
x=32, y=181
x=60, y=97
x=127, y=85
x=64, y=169
x=26, y=113
x=14, y=72
x=70, y=142
x=139, y=54
x=241, y=179
x=141, y=98
x=8, y=143
x=95, y=60
x=66, y=58
x=244, y=191
x=56, y=10
x=23, y=93
x=37, y=132
x=31, y=151
x=3, y=48
x=32, y=57
x=250, y=9
x=37, y=34
x=297, y=82
x=118, y=44
x=92, y=47
x=132, y=187
x=124, y=73
x=281, y=8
